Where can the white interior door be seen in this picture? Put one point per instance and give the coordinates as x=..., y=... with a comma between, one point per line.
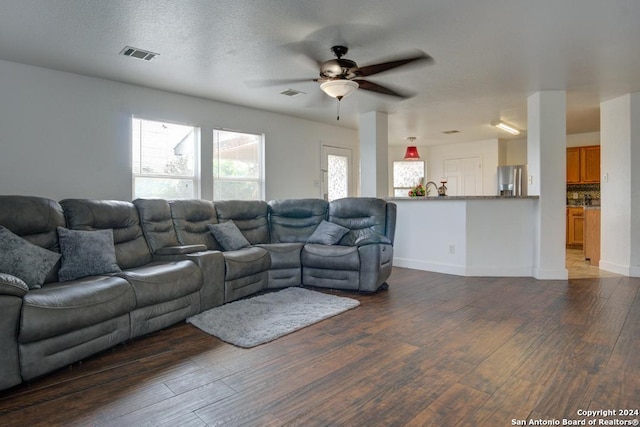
x=336, y=169
x=464, y=176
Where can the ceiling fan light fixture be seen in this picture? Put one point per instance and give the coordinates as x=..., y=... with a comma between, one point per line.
x=506, y=127
x=339, y=88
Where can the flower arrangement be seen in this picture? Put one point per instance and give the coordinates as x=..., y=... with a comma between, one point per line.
x=418, y=191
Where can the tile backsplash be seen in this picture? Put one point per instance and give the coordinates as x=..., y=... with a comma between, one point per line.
x=577, y=192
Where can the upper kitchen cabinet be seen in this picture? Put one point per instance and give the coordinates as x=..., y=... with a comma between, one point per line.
x=583, y=165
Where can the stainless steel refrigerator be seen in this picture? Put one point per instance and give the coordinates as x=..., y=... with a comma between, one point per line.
x=512, y=180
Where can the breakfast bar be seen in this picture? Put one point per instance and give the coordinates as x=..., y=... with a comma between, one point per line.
x=466, y=235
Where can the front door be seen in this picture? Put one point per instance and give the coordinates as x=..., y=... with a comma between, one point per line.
x=336, y=172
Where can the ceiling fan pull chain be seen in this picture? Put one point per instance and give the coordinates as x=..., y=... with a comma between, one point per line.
x=338, y=114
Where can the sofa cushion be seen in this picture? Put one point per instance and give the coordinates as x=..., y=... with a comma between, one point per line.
x=191, y=219
x=294, y=220
x=327, y=233
x=122, y=217
x=228, y=236
x=251, y=217
x=86, y=253
x=330, y=257
x=159, y=282
x=157, y=226
x=26, y=261
x=361, y=215
x=245, y=262
x=283, y=255
x=58, y=308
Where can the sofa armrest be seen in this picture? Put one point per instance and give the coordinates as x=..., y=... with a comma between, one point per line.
x=11, y=285
x=372, y=239
x=180, y=250
x=212, y=265
x=12, y=290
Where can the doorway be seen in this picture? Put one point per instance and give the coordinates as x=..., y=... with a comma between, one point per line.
x=336, y=169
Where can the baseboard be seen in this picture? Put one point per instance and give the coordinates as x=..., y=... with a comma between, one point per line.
x=429, y=266
x=625, y=270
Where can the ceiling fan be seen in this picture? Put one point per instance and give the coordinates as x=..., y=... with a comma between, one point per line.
x=340, y=77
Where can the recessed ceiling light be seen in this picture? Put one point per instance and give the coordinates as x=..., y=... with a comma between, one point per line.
x=292, y=92
x=134, y=52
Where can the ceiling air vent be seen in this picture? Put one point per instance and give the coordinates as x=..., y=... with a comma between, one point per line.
x=292, y=92
x=450, y=132
x=138, y=53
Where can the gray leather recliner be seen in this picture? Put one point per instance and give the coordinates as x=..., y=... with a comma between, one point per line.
x=363, y=259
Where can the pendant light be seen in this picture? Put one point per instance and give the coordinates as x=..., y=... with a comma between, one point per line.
x=412, y=150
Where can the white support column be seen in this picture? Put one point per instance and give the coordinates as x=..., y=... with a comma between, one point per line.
x=546, y=158
x=620, y=185
x=374, y=153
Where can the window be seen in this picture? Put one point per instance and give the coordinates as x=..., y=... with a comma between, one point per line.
x=407, y=174
x=165, y=160
x=238, y=166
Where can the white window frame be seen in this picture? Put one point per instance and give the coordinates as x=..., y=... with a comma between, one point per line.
x=260, y=180
x=403, y=188
x=195, y=178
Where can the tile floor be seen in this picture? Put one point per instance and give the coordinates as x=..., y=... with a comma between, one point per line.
x=581, y=269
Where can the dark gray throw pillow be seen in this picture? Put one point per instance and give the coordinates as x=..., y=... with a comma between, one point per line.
x=327, y=233
x=86, y=253
x=24, y=260
x=229, y=236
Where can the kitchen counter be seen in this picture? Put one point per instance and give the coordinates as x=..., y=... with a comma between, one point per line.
x=466, y=236
x=444, y=198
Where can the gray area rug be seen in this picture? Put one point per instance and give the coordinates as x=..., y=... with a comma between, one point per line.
x=254, y=321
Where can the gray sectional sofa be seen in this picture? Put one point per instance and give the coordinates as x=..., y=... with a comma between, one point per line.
x=79, y=276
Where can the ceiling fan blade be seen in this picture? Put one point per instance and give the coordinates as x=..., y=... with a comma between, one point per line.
x=276, y=82
x=384, y=90
x=421, y=58
x=313, y=52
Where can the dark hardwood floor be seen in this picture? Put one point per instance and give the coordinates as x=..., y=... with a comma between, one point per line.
x=432, y=350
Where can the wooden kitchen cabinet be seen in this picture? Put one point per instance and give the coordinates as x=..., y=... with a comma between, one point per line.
x=590, y=164
x=583, y=165
x=592, y=235
x=575, y=227
x=573, y=165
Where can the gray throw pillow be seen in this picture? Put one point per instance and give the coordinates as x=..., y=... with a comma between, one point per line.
x=327, y=233
x=229, y=236
x=24, y=260
x=86, y=253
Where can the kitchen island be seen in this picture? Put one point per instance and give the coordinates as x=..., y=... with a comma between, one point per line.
x=466, y=235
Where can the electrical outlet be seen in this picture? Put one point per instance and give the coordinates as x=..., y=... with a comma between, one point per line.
x=530, y=179
x=452, y=249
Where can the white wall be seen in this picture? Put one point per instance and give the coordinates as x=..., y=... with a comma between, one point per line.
x=64, y=135
x=583, y=139
x=617, y=198
x=516, y=151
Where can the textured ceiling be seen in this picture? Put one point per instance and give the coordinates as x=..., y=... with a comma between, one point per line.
x=489, y=55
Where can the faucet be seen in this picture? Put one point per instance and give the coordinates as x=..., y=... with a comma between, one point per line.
x=426, y=187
